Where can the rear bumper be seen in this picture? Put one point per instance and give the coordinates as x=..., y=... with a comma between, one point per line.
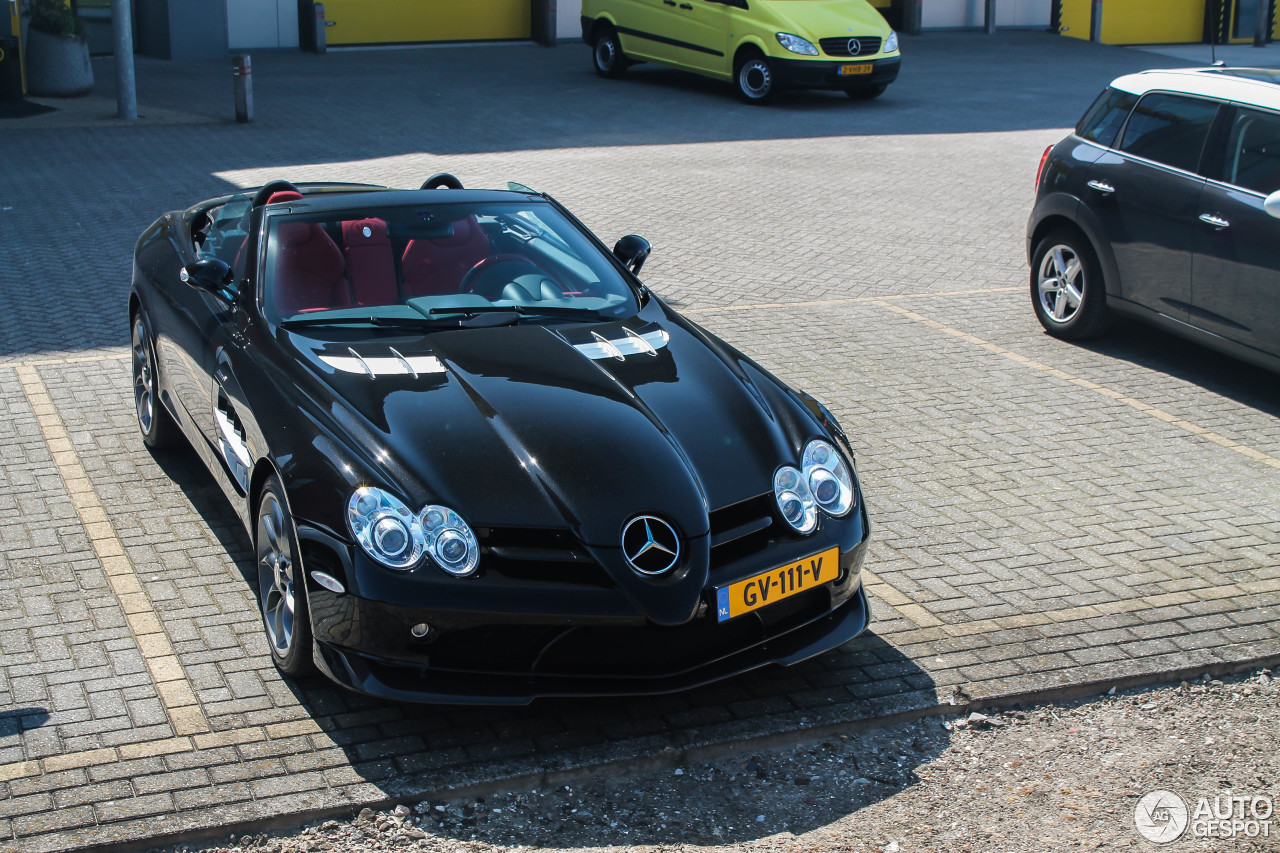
x=392, y=680
x=812, y=74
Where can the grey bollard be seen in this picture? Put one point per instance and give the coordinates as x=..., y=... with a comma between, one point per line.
x=242, y=72
x=1095, y=23
x=1260, y=33
x=989, y=23
x=321, y=23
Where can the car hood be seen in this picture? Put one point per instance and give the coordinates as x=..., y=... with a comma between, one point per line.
x=819, y=19
x=580, y=426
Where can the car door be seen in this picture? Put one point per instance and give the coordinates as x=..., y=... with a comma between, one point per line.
x=1145, y=194
x=647, y=28
x=1236, y=269
x=704, y=35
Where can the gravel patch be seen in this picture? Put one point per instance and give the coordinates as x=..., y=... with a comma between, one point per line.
x=1050, y=776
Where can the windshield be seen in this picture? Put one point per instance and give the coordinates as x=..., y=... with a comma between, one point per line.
x=425, y=263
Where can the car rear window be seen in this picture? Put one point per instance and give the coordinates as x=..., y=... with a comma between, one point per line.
x=1102, y=121
x=1169, y=129
x=1253, y=151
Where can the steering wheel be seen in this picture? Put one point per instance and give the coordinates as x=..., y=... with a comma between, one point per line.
x=441, y=179
x=268, y=190
x=495, y=272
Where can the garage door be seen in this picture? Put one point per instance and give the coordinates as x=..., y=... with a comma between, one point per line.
x=400, y=21
x=1137, y=21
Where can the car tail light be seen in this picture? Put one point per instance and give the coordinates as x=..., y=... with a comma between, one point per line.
x=1044, y=158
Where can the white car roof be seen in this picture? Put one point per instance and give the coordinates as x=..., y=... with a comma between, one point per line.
x=1256, y=86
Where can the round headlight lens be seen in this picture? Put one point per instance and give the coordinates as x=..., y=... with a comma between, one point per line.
x=796, y=44
x=450, y=541
x=828, y=478
x=795, y=500
x=385, y=528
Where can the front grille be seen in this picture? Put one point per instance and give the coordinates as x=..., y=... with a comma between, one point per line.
x=740, y=529
x=539, y=555
x=839, y=46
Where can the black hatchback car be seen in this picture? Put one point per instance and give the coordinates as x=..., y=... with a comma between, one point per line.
x=1164, y=205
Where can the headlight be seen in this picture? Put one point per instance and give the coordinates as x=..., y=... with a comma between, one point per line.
x=828, y=478
x=891, y=43
x=795, y=44
x=795, y=500
x=385, y=528
x=450, y=541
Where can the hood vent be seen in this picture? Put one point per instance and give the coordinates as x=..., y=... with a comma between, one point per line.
x=392, y=364
x=623, y=343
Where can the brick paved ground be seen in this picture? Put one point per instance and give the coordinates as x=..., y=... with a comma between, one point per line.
x=1046, y=515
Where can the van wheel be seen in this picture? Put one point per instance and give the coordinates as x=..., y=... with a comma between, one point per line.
x=607, y=55
x=755, y=79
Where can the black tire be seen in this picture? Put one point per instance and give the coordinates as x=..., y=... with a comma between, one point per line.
x=1067, y=287
x=754, y=79
x=282, y=592
x=866, y=93
x=606, y=53
x=158, y=429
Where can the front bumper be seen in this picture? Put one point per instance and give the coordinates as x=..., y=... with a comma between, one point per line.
x=789, y=645
x=820, y=74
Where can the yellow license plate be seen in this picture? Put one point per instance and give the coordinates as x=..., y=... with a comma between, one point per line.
x=860, y=68
x=776, y=584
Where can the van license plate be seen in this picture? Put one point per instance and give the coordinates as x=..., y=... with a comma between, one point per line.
x=859, y=68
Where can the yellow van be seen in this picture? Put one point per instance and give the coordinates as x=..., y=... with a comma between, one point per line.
x=761, y=45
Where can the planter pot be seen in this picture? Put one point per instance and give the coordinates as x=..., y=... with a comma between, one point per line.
x=57, y=66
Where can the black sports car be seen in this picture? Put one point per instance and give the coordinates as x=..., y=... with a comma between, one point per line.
x=479, y=460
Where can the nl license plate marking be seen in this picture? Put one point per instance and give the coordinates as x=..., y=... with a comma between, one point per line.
x=858, y=68
x=776, y=584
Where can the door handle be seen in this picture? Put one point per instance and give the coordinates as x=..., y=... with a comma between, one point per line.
x=686, y=6
x=1102, y=187
x=1216, y=221
x=669, y=2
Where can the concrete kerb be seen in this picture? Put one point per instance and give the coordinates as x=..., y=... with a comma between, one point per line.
x=501, y=777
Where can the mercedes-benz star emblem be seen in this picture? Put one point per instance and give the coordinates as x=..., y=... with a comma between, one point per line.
x=855, y=47
x=650, y=545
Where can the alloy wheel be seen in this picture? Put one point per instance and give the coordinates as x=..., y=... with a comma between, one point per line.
x=275, y=574
x=1061, y=283
x=143, y=377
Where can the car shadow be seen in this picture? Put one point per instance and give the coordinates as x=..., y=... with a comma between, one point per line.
x=1163, y=352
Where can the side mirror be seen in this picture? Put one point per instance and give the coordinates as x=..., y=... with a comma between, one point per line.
x=1271, y=205
x=208, y=274
x=633, y=251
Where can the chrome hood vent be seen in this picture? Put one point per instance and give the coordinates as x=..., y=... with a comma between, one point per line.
x=390, y=364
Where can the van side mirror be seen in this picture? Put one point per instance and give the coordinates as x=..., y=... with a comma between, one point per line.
x=1271, y=205
x=633, y=251
x=209, y=274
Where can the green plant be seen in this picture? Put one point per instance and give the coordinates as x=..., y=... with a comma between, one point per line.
x=55, y=17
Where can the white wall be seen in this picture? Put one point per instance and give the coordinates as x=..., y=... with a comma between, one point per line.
x=568, y=20
x=262, y=23
x=972, y=13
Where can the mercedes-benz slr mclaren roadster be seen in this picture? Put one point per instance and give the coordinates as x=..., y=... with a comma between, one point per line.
x=479, y=460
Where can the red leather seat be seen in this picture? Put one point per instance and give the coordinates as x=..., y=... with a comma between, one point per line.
x=371, y=266
x=309, y=272
x=434, y=266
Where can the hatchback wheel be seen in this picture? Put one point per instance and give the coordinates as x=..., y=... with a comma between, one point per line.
x=607, y=54
x=1067, y=289
x=281, y=592
x=755, y=80
x=154, y=421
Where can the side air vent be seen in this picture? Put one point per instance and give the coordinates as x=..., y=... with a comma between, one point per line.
x=231, y=443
